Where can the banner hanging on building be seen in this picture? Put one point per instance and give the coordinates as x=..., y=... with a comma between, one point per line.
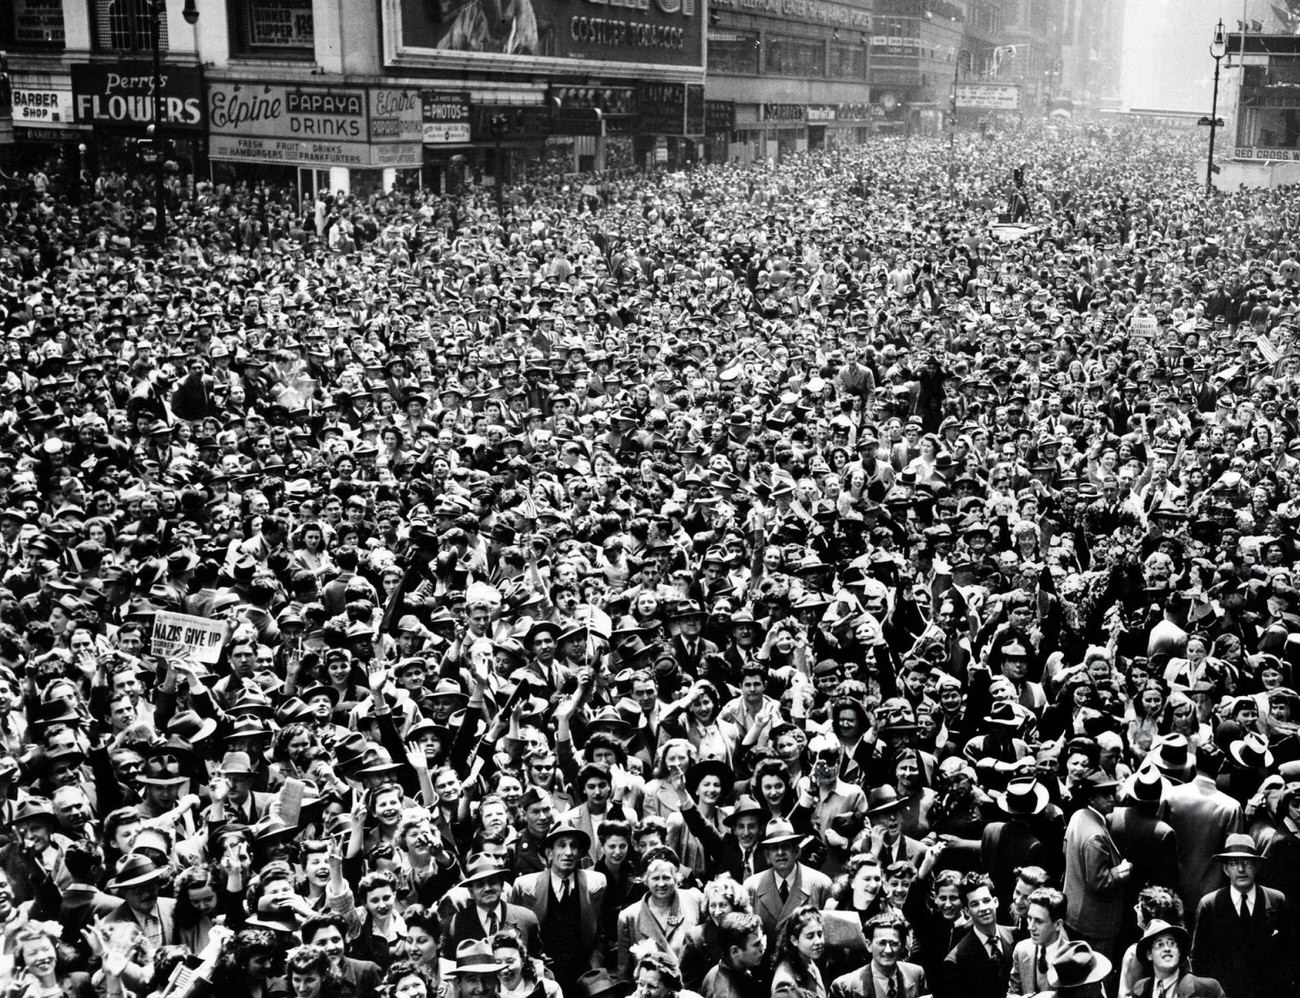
x=988, y=96
x=446, y=117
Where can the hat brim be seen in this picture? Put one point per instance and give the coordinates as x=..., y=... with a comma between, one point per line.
x=476, y=968
x=1239, y=854
x=1041, y=799
x=1099, y=973
x=140, y=881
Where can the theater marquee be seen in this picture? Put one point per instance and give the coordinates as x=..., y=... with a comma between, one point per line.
x=627, y=38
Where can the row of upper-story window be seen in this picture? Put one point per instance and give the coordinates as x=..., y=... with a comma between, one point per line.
x=267, y=28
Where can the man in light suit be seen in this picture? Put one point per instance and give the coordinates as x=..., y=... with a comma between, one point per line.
x=1245, y=933
x=137, y=881
x=486, y=881
x=1095, y=872
x=787, y=883
x=566, y=900
x=1032, y=957
x=886, y=975
x=979, y=966
x=1202, y=817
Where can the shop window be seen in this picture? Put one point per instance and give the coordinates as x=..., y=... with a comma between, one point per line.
x=848, y=62
x=734, y=52
x=273, y=28
x=800, y=57
x=32, y=24
x=127, y=26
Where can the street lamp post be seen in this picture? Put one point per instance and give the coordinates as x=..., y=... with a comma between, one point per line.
x=157, y=11
x=952, y=119
x=81, y=173
x=1218, y=49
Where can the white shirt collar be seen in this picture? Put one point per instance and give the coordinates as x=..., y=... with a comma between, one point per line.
x=1251, y=899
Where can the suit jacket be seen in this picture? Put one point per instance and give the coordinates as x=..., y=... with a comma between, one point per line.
x=636, y=922
x=862, y=983
x=1007, y=845
x=259, y=801
x=166, y=915
x=1094, y=895
x=969, y=971
x=726, y=982
x=810, y=887
x=1202, y=817
x=1025, y=978
x=533, y=891
x=1252, y=959
x=1188, y=986
x=364, y=976
x=465, y=924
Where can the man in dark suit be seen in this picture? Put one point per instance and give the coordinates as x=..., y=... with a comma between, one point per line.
x=1030, y=836
x=1143, y=839
x=979, y=966
x=1202, y=817
x=737, y=852
x=567, y=902
x=1095, y=872
x=887, y=975
x=788, y=883
x=689, y=648
x=486, y=881
x=1245, y=936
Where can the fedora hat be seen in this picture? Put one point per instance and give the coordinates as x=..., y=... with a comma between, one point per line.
x=162, y=771
x=1146, y=786
x=249, y=727
x=598, y=984
x=1024, y=796
x=378, y=762
x=190, y=727
x=1239, y=846
x=135, y=870
x=320, y=690
x=609, y=720
x=566, y=827
x=237, y=764
x=482, y=869
x=35, y=809
x=474, y=956
x=273, y=829
x=1004, y=716
x=1075, y=965
x=1172, y=756
x=779, y=832
x=1097, y=781
x=1158, y=927
x=745, y=805
x=884, y=798
x=1251, y=752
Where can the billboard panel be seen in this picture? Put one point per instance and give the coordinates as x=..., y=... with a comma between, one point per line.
x=546, y=34
x=989, y=96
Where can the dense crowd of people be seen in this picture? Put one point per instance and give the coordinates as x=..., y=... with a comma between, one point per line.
x=771, y=580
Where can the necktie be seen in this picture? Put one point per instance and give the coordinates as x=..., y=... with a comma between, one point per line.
x=784, y=890
x=492, y=924
x=893, y=989
x=1245, y=909
x=1040, y=965
x=749, y=863
x=564, y=891
x=994, y=951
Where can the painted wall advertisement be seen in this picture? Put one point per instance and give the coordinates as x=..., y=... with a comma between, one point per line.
x=36, y=23
x=314, y=126
x=120, y=95
x=658, y=32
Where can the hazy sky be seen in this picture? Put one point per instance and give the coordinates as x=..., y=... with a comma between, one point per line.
x=1166, y=62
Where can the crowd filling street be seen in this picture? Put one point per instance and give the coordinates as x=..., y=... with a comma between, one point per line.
x=869, y=575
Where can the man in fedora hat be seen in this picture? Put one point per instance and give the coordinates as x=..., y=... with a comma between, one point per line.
x=487, y=881
x=1165, y=950
x=787, y=883
x=567, y=902
x=1143, y=838
x=1244, y=932
x=232, y=794
x=137, y=881
x=1202, y=817
x=1096, y=873
x=886, y=840
x=1032, y=833
x=477, y=970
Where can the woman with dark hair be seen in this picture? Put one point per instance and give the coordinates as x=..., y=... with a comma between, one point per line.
x=310, y=973
x=423, y=940
x=771, y=786
x=657, y=976
x=800, y=942
x=408, y=979
x=860, y=889
x=913, y=788
x=521, y=976
x=291, y=752
x=198, y=902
